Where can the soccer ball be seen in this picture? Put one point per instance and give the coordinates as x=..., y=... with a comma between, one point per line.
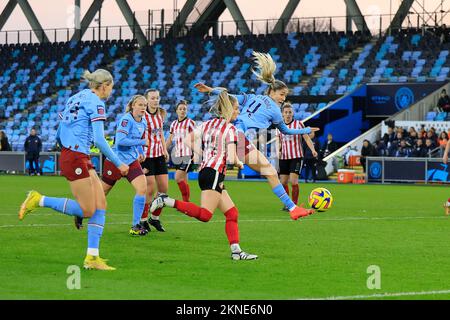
x=320, y=199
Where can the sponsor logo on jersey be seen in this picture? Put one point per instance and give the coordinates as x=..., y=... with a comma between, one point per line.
x=100, y=110
x=124, y=123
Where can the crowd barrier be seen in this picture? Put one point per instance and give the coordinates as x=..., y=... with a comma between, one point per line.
x=407, y=170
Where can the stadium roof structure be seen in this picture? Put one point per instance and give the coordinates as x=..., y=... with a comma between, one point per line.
x=196, y=17
x=201, y=13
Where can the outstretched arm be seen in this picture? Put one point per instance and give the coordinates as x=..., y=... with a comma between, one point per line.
x=285, y=130
x=201, y=87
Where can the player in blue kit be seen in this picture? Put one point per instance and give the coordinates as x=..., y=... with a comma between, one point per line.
x=81, y=123
x=260, y=112
x=129, y=142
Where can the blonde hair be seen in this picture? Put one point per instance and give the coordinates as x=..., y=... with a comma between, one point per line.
x=160, y=110
x=265, y=70
x=222, y=105
x=97, y=78
x=133, y=99
x=287, y=104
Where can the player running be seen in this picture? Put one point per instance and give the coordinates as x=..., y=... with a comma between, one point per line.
x=260, y=112
x=218, y=139
x=128, y=145
x=154, y=165
x=81, y=123
x=182, y=154
x=291, y=152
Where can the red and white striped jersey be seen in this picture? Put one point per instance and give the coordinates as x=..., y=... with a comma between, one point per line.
x=291, y=145
x=154, y=132
x=216, y=135
x=179, y=130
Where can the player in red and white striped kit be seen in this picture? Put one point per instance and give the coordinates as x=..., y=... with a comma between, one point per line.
x=218, y=139
x=154, y=165
x=291, y=152
x=181, y=153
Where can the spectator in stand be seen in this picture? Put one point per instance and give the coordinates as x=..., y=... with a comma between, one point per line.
x=389, y=136
x=310, y=162
x=367, y=150
x=422, y=133
x=402, y=131
x=419, y=150
x=33, y=147
x=443, y=138
x=4, y=143
x=412, y=138
x=393, y=147
x=432, y=136
x=382, y=149
x=429, y=146
x=403, y=150
x=444, y=102
x=329, y=147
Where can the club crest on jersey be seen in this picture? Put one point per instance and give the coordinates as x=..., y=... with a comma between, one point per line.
x=100, y=110
x=124, y=123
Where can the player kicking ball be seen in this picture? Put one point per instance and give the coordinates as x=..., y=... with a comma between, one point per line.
x=219, y=139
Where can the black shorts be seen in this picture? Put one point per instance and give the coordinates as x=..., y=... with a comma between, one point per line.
x=155, y=166
x=290, y=166
x=183, y=163
x=210, y=179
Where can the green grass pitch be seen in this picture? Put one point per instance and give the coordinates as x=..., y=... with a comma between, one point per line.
x=401, y=229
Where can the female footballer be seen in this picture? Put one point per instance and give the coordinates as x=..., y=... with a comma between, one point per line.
x=218, y=140
x=291, y=152
x=181, y=154
x=156, y=156
x=260, y=112
x=81, y=123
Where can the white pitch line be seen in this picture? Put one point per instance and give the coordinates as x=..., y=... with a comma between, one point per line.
x=248, y=220
x=382, y=295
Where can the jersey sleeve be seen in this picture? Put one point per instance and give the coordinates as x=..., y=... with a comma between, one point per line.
x=96, y=111
x=277, y=117
x=171, y=127
x=191, y=126
x=231, y=136
x=124, y=125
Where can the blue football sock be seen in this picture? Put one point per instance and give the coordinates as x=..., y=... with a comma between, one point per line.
x=281, y=193
x=138, y=208
x=64, y=205
x=95, y=229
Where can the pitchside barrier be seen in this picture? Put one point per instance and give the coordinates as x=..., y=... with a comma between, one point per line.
x=412, y=170
x=15, y=162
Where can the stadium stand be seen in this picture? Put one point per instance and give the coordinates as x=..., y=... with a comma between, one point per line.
x=318, y=63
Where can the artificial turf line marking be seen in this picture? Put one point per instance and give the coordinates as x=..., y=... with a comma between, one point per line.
x=243, y=220
x=382, y=295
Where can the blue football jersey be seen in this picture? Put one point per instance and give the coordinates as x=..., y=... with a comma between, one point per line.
x=133, y=130
x=75, y=129
x=258, y=111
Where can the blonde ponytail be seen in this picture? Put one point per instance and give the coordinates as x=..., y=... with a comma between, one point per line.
x=97, y=78
x=265, y=66
x=222, y=105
